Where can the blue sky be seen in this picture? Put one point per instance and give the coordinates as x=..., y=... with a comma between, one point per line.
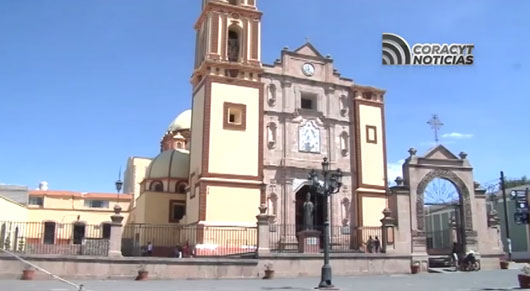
x=86, y=84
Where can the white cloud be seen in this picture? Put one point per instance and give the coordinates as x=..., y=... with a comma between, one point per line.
x=457, y=135
x=394, y=170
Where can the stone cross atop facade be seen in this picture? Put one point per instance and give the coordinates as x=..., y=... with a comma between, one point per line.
x=435, y=124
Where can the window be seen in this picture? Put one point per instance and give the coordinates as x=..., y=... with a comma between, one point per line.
x=371, y=134
x=234, y=116
x=367, y=95
x=106, y=230
x=308, y=101
x=79, y=233
x=177, y=210
x=49, y=233
x=34, y=200
x=97, y=203
x=181, y=188
x=233, y=45
x=156, y=186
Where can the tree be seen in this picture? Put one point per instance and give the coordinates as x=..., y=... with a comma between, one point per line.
x=509, y=183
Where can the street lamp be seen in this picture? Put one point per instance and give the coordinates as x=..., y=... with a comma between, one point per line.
x=119, y=184
x=332, y=181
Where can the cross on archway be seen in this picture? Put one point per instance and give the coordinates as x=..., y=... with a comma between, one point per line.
x=435, y=124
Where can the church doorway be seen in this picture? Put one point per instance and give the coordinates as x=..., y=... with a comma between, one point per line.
x=442, y=217
x=318, y=214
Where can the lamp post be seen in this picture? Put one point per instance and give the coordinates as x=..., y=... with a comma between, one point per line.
x=332, y=181
x=119, y=184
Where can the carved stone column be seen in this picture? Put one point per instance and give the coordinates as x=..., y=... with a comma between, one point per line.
x=387, y=228
x=115, y=233
x=263, y=231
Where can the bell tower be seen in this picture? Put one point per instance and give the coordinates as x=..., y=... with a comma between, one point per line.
x=226, y=163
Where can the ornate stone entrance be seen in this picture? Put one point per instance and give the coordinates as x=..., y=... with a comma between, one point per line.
x=470, y=221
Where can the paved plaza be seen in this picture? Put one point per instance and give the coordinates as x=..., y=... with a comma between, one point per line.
x=483, y=280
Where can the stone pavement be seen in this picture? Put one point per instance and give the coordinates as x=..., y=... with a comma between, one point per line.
x=482, y=280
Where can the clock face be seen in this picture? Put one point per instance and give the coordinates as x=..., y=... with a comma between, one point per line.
x=308, y=69
x=309, y=138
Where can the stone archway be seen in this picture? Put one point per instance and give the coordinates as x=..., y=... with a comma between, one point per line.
x=461, y=187
x=419, y=171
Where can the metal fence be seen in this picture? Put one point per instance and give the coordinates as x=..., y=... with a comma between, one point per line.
x=55, y=238
x=188, y=241
x=285, y=237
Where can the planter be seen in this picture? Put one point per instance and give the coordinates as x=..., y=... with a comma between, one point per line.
x=524, y=281
x=415, y=269
x=504, y=265
x=269, y=274
x=27, y=274
x=142, y=275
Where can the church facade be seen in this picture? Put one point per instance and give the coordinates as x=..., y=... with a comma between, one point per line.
x=256, y=130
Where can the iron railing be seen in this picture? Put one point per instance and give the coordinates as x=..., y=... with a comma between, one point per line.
x=188, y=241
x=55, y=238
x=284, y=237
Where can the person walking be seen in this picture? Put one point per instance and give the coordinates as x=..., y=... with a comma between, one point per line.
x=377, y=244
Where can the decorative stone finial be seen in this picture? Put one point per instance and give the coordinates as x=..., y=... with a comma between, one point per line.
x=262, y=208
x=328, y=56
x=476, y=185
x=387, y=212
x=462, y=155
x=285, y=48
x=117, y=209
x=117, y=217
x=399, y=181
x=412, y=151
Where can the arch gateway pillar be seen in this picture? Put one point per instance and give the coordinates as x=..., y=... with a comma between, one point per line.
x=474, y=231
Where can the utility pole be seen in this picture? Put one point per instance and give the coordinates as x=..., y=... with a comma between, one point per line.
x=507, y=225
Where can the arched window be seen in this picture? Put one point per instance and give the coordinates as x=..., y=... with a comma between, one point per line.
x=272, y=95
x=181, y=187
x=156, y=186
x=233, y=45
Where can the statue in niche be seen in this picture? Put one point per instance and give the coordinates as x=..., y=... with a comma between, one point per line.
x=308, y=212
x=233, y=46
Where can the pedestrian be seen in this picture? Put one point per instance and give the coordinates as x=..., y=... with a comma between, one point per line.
x=178, y=252
x=377, y=244
x=149, y=249
x=370, y=244
x=455, y=253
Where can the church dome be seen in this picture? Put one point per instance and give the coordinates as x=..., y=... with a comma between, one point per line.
x=182, y=122
x=174, y=163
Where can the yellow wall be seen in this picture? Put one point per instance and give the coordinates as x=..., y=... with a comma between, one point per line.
x=134, y=174
x=372, y=155
x=192, y=205
x=373, y=210
x=12, y=211
x=228, y=146
x=232, y=205
x=156, y=210
x=69, y=216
